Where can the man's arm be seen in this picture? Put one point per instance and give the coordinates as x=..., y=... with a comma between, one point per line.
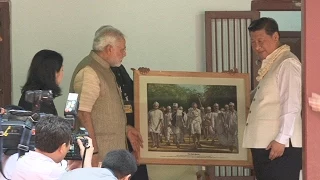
x=289, y=83
x=87, y=85
x=86, y=122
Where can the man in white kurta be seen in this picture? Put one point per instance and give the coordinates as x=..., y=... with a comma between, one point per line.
x=207, y=123
x=177, y=124
x=155, y=118
x=167, y=124
x=196, y=121
x=273, y=129
x=233, y=127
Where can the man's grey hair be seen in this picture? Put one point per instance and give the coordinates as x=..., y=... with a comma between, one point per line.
x=104, y=36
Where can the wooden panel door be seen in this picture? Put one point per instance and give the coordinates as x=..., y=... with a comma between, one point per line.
x=5, y=58
x=228, y=44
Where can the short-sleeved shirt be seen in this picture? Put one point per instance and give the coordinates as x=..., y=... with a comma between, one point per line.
x=36, y=166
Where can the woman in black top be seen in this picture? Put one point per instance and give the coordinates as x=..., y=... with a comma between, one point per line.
x=45, y=73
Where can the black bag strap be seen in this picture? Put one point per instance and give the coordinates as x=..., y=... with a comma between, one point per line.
x=23, y=147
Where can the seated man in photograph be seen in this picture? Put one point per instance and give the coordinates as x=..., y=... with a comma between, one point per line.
x=117, y=165
x=52, y=143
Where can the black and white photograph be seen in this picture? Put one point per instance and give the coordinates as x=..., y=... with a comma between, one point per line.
x=191, y=117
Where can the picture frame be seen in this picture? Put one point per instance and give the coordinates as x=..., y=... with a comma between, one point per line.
x=186, y=139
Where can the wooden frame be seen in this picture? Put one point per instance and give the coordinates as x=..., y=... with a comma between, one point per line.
x=208, y=154
x=276, y=5
x=5, y=56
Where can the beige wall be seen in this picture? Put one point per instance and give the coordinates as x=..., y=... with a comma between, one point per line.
x=162, y=35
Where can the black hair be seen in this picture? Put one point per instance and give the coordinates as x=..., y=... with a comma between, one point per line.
x=51, y=132
x=42, y=72
x=266, y=23
x=121, y=162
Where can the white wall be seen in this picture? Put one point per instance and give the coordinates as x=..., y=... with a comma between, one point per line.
x=162, y=35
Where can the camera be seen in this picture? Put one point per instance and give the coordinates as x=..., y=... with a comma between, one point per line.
x=18, y=131
x=74, y=151
x=70, y=113
x=18, y=126
x=36, y=97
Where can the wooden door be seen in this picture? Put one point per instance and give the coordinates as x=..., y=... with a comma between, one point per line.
x=293, y=39
x=5, y=58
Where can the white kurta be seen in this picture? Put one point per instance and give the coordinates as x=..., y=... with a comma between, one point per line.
x=195, y=115
x=155, y=116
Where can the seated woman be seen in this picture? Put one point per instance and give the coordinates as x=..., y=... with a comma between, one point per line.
x=45, y=73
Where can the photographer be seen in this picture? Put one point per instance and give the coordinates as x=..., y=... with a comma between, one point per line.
x=52, y=142
x=117, y=165
x=45, y=73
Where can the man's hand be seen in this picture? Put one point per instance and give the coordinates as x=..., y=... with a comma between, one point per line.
x=74, y=164
x=277, y=149
x=89, y=147
x=314, y=102
x=135, y=138
x=232, y=71
x=2, y=111
x=142, y=70
x=86, y=121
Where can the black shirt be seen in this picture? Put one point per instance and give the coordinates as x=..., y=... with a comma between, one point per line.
x=126, y=84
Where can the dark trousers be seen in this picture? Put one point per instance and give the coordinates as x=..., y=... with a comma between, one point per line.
x=141, y=174
x=286, y=167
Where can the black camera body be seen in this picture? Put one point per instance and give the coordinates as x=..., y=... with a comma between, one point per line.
x=74, y=151
x=18, y=126
x=36, y=97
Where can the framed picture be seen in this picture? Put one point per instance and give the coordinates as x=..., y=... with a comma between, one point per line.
x=192, y=118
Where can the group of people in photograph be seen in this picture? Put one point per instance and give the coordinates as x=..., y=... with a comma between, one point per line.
x=168, y=125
